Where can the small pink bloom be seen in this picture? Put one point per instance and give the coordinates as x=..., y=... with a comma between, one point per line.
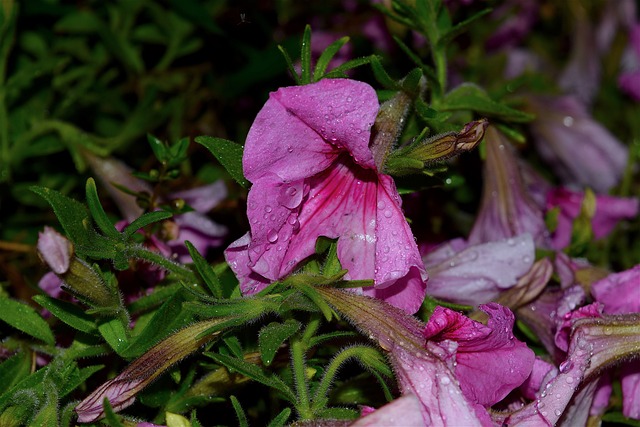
x=313, y=173
x=619, y=292
x=629, y=79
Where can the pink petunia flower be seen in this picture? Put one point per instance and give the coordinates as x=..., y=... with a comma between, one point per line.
x=313, y=173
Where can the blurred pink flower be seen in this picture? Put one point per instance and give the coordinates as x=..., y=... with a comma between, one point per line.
x=313, y=173
x=609, y=211
x=629, y=78
x=581, y=152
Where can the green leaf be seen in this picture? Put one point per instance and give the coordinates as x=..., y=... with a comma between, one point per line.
x=25, y=319
x=382, y=76
x=228, y=153
x=73, y=215
x=460, y=27
x=144, y=220
x=204, y=269
x=290, y=66
x=32, y=381
x=48, y=410
x=326, y=57
x=305, y=56
x=112, y=419
x=166, y=319
x=255, y=373
x=78, y=378
x=67, y=312
x=115, y=334
x=15, y=369
x=341, y=70
x=97, y=212
x=242, y=417
x=468, y=96
x=281, y=419
x=411, y=82
x=158, y=147
x=273, y=335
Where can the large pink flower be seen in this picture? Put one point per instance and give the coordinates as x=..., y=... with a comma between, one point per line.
x=313, y=173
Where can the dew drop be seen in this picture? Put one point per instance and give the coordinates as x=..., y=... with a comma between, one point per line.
x=267, y=209
x=445, y=380
x=272, y=236
x=388, y=214
x=567, y=121
x=261, y=266
x=381, y=205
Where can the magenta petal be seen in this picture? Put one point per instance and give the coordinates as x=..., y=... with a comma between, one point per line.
x=631, y=390
x=619, y=292
x=541, y=374
x=404, y=411
x=55, y=250
x=301, y=129
x=491, y=362
x=237, y=256
x=479, y=273
x=204, y=198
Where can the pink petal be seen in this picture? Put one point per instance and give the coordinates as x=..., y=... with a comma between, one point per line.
x=301, y=129
x=479, y=273
x=491, y=362
x=404, y=411
x=55, y=250
x=203, y=199
x=619, y=292
x=631, y=390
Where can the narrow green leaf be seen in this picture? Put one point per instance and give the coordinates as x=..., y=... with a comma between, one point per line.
x=382, y=76
x=460, y=27
x=205, y=270
x=242, y=417
x=25, y=319
x=326, y=57
x=67, y=312
x=305, y=56
x=281, y=419
x=97, y=212
x=255, y=373
x=341, y=70
x=229, y=154
x=144, y=220
x=167, y=318
x=233, y=344
x=31, y=381
x=468, y=96
x=273, y=335
x=115, y=335
x=78, y=379
x=47, y=414
x=319, y=339
x=312, y=294
x=290, y=67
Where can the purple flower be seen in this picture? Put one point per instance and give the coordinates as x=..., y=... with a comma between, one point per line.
x=479, y=273
x=609, y=211
x=506, y=210
x=313, y=173
x=580, y=150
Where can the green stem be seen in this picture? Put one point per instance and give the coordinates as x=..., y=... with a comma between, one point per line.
x=440, y=61
x=300, y=378
x=329, y=375
x=311, y=329
x=156, y=258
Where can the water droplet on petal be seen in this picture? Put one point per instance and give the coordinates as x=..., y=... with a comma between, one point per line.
x=272, y=236
x=381, y=204
x=261, y=267
x=388, y=214
x=267, y=209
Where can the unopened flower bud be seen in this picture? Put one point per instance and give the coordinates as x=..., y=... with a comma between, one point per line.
x=84, y=282
x=388, y=125
x=55, y=250
x=444, y=146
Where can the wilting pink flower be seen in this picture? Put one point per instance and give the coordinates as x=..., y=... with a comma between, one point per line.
x=506, y=209
x=517, y=19
x=620, y=293
x=479, y=273
x=456, y=367
x=629, y=78
x=580, y=150
x=307, y=155
x=609, y=211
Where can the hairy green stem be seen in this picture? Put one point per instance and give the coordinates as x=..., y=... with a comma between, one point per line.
x=300, y=378
x=156, y=258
